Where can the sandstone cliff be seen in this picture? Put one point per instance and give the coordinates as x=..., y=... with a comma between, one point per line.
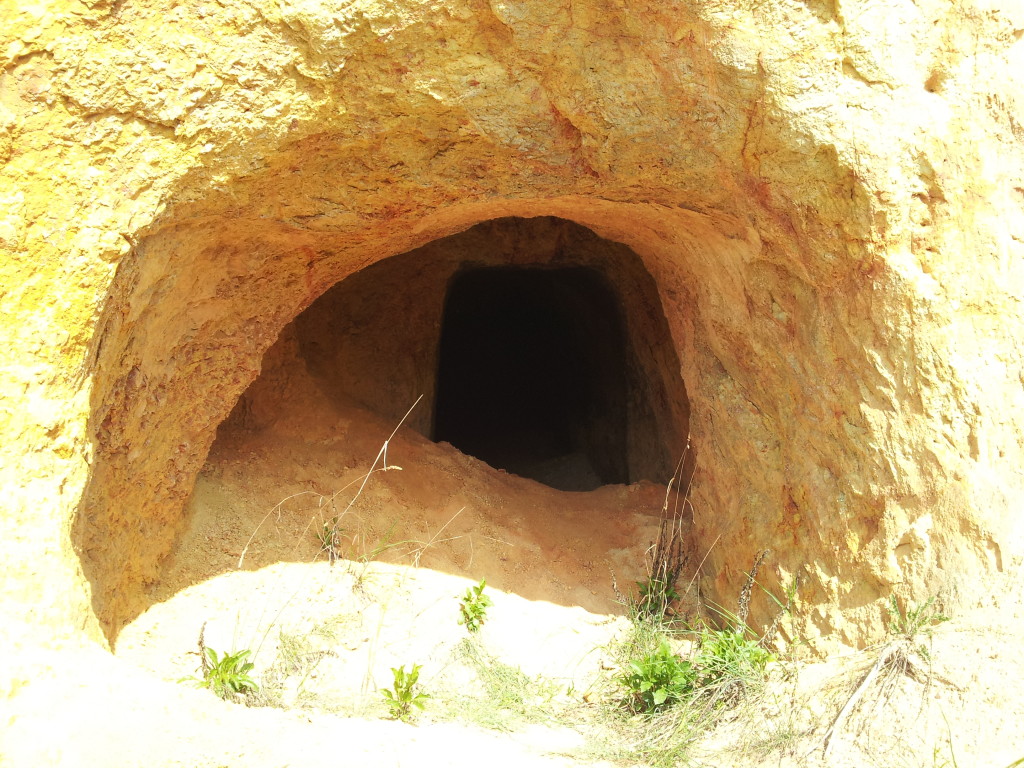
x=829, y=197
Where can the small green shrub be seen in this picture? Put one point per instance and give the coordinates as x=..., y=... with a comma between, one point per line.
x=656, y=597
x=405, y=694
x=729, y=660
x=658, y=680
x=474, y=607
x=723, y=663
x=666, y=702
x=915, y=620
x=226, y=675
x=666, y=556
x=914, y=623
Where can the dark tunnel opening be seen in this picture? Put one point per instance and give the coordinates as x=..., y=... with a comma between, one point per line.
x=532, y=374
x=533, y=345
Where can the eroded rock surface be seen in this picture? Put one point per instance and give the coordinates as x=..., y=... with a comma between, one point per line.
x=828, y=197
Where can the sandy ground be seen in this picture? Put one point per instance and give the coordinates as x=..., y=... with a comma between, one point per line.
x=251, y=573
x=264, y=495
x=86, y=708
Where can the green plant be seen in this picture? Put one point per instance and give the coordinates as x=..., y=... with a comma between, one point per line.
x=474, y=607
x=329, y=537
x=722, y=663
x=729, y=660
x=915, y=620
x=664, y=703
x=658, y=680
x=896, y=658
x=405, y=694
x=656, y=596
x=226, y=675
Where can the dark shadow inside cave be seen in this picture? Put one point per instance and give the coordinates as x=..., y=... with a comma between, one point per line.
x=531, y=374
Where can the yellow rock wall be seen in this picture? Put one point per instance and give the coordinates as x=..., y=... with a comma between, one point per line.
x=829, y=194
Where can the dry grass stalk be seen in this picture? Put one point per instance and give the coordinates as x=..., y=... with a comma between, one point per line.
x=784, y=609
x=892, y=655
x=204, y=660
x=743, y=607
x=331, y=532
x=668, y=554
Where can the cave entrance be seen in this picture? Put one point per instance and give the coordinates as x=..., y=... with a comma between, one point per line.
x=537, y=346
x=531, y=375
x=533, y=344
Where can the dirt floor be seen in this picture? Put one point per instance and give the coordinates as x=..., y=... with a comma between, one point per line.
x=535, y=686
x=267, y=491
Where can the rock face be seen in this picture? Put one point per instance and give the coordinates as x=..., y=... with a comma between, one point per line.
x=828, y=198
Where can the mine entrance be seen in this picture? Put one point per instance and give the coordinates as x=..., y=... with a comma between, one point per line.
x=531, y=344
x=531, y=374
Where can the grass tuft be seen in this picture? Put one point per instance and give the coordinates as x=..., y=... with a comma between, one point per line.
x=506, y=697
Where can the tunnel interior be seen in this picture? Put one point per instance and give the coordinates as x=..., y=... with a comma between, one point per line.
x=531, y=374
x=537, y=347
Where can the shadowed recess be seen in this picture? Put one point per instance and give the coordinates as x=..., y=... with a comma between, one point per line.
x=532, y=375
